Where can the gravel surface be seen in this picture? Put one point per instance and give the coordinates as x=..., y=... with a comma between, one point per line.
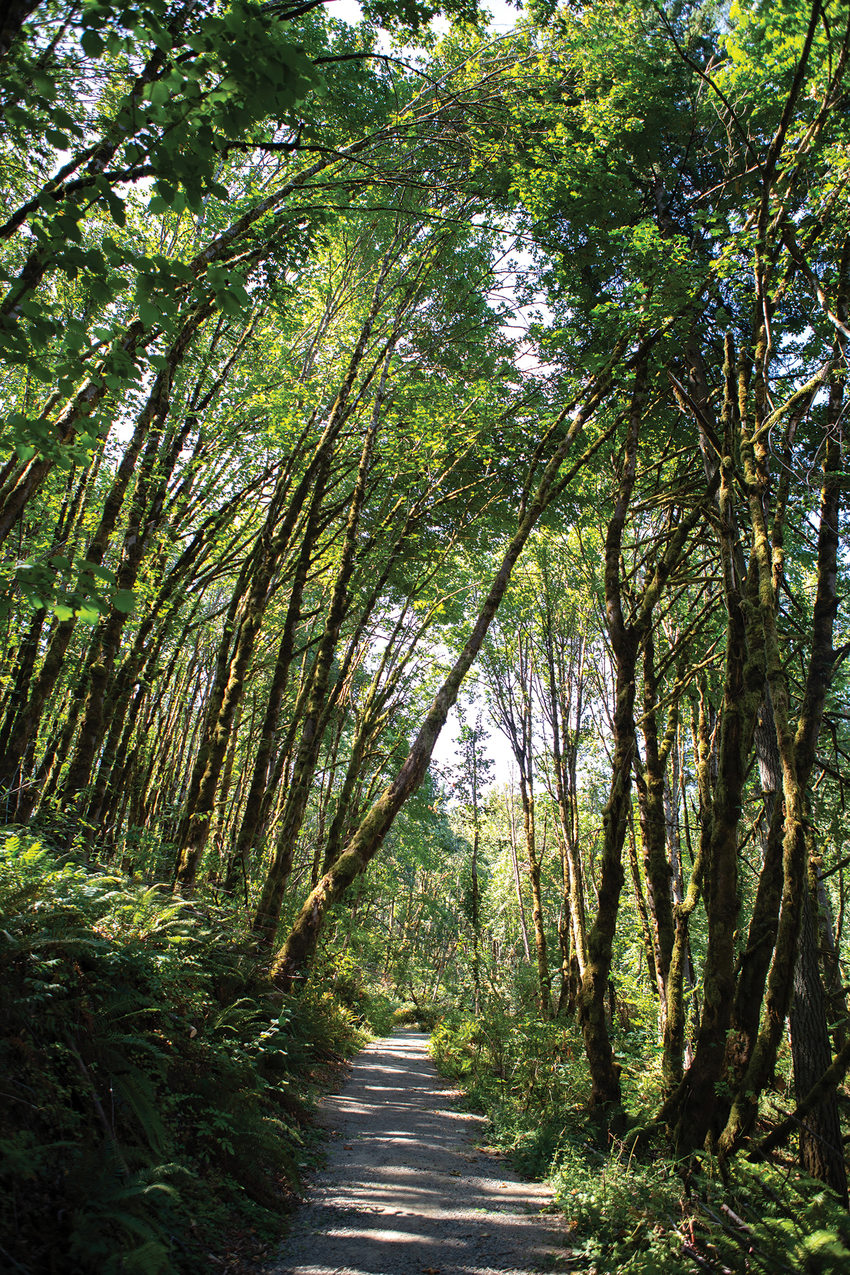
x=406, y=1189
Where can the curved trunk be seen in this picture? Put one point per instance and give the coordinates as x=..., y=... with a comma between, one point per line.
x=659, y=875
x=271, y=898
x=252, y=815
x=292, y=960
x=534, y=870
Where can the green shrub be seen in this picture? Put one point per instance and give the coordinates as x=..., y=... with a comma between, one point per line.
x=378, y=1010
x=646, y=1213
x=528, y=1076
x=652, y=1215
x=783, y=1219
x=153, y=1088
x=453, y=1045
x=619, y=1210
x=327, y=1028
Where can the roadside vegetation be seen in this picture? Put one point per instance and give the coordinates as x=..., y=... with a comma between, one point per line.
x=629, y=1206
x=423, y=590
x=156, y=1095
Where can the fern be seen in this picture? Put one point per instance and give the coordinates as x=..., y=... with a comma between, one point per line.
x=139, y=1102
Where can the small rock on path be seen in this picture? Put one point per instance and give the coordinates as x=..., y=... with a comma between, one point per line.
x=406, y=1191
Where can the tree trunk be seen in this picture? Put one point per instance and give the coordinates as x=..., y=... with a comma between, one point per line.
x=821, y=1146
x=28, y=719
x=238, y=867
x=195, y=827
x=654, y=828
x=291, y=961
x=145, y=517
x=604, y=1070
x=796, y=750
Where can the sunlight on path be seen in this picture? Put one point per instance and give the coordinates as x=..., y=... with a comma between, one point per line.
x=406, y=1190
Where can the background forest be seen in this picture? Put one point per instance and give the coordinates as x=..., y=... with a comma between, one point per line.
x=357, y=374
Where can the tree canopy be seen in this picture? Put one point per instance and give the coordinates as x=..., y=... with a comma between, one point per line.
x=361, y=378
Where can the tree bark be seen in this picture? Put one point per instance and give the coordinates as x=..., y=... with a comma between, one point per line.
x=195, y=825
x=796, y=749
x=271, y=898
x=291, y=961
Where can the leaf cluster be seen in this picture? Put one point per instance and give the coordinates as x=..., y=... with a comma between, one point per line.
x=153, y=1096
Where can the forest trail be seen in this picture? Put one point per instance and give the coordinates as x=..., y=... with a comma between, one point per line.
x=406, y=1190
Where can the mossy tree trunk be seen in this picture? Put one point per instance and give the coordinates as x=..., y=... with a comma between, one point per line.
x=156, y=466
x=307, y=753
x=626, y=638
x=821, y=1145
x=797, y=748
x=654, y=836
x=237, y=868
x=674, y=1037
x=276, y=538
x=292, y=960
x=239, y=638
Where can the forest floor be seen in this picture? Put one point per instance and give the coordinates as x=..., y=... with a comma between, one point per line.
x=407, y=1188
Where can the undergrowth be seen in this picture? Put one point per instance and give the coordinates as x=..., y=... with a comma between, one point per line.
x=643, y=1214
x=152, y=1099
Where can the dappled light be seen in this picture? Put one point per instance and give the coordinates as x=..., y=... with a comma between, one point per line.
x=388, y=1204
x=425, y=628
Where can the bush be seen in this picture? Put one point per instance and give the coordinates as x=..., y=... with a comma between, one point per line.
x=642, y=1214
x=370, y=1010
x=153, y=1088
x=378, y=1010
x=621, y=1212
x=651, y=1218
x=528, y=1076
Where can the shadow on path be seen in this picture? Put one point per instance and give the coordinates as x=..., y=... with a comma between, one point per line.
x=406, y=1191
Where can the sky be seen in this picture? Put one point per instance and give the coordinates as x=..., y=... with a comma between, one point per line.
x=504, y=15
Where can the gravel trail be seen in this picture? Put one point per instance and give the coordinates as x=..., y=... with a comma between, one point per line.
x=406, y=1190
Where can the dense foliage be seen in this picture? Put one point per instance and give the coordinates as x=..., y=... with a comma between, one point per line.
x=630, y=1208
x=155, y=1094
x=356, y=374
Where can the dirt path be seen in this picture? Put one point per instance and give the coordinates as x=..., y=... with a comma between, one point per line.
x=406, y=1191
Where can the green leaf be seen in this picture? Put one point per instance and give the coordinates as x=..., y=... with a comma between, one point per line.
x=229, y=304
x=158, y=205
x=92, y=44
x=149, y=313
x=124, y=600
x=117, y=210
x=63, y=118
x=95, y=569
x=158, y=93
